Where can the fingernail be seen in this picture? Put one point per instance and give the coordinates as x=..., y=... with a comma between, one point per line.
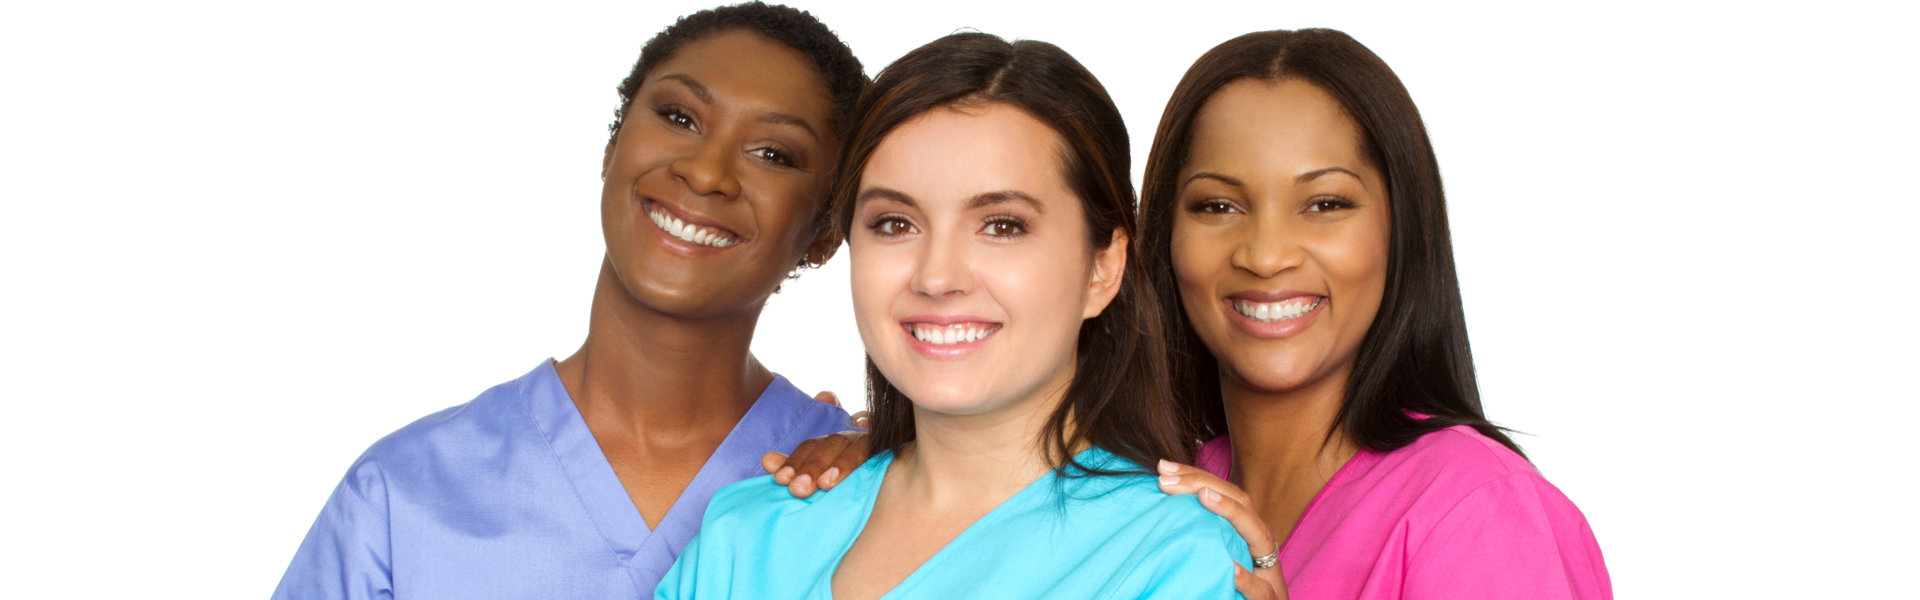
x=1212, y=496
x=832, y=475
x=1169, y=479
x=802, y=482
x=784, y=475
x=1167, y=467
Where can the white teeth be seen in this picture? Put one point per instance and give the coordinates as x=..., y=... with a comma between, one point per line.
x=952, y=334
x=1276, y=311
x=689, y=233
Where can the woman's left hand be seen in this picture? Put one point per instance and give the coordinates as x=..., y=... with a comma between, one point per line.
x=1233, y=504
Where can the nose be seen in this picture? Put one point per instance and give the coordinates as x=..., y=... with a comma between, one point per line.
x=1269, y=247
x=707, y=169
x=942, y=269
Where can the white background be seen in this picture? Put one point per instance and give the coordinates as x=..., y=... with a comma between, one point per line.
x=243, y=241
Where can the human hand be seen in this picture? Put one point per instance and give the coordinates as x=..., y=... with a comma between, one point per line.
x=1233, y=504
x=822, y=462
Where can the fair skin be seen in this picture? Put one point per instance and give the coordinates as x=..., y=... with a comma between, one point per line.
x=723, y=144
x=1280, y=253
x=971, y=277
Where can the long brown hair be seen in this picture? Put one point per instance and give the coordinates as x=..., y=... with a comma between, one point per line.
x=1415, y=357
x=1119, y=398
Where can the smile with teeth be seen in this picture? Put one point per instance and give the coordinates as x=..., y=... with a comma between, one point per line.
x=958, y=333
x=1269, y=312
x=693, y=234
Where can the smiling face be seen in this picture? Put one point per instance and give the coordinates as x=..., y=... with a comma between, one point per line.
x=1280, y=235
x=971, y=268
x=715, y=174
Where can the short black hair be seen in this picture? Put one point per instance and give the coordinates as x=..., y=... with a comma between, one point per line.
x=797, y=29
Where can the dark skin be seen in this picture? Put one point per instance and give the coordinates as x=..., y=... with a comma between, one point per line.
x=729, y=134
x=820, y=463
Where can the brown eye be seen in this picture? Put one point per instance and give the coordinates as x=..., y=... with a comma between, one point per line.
x=1004, y=227
x=1322, y=205
x=1212, y=206
x=890, y=226
x=676, y=117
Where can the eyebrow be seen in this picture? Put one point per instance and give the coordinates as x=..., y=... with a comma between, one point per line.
x=976, y=202
x=699, y=90
x=1302, y=178
x=787, y=119
x=705, y=95
x=1317, y=173
x=1214, y=176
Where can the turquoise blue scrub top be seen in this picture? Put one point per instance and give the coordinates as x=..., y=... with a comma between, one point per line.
x=509, y=496
x=1110, y=536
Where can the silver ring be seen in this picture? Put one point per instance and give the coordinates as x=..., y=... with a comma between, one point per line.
x=1267, y=562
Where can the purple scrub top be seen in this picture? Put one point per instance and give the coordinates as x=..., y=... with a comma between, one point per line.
x=509, y=496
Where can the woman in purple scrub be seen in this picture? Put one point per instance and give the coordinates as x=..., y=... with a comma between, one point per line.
x=585, y=477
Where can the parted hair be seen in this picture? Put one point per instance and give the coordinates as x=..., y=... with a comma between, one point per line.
x=1415, y=357
x=1118, y=399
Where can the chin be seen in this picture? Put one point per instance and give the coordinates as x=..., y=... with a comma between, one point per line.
x=1273, y=376
x=945, y=399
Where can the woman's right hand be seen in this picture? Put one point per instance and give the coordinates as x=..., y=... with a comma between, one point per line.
x=1233, y=504
x=820, y=463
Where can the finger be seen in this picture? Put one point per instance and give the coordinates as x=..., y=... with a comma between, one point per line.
x=1188, y=480
x=826, y=397
x=1248, y=524
x=851, y=457
x=772, y=461
x=784, y=476
x=863, y=419
x=1254, y=588
x=808, y=469
x=802, y=486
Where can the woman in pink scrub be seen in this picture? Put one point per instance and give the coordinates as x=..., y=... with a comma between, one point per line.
x=1295, y=226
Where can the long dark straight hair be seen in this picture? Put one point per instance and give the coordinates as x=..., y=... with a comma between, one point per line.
x=1415, y=356
x=1119, y=398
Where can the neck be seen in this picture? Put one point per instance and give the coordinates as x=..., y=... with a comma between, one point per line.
x=645, y=373
x=1282, y=451
x=967, y=462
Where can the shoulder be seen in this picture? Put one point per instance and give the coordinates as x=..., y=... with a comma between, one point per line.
x=802, y=416
x=1133, y=501
x=754, y=499
x=758, y=502
x=497, y=417
x=1457, y=458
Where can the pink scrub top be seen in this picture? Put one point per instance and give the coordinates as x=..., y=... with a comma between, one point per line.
x=1452, y=515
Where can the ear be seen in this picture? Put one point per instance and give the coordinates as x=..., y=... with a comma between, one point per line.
x=1109, y=267
x=606, y=162
x=823, y=248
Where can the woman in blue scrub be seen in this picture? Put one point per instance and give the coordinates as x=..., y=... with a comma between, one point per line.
x=585, y=477
x=1016, y=398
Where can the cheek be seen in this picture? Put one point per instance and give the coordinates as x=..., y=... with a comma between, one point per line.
x=1197, y=260
x=878, y=274
x=1356, y=260
x=1043, y=284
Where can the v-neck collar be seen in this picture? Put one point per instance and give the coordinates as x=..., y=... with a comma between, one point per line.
x=765, y=425
x=1035, y=492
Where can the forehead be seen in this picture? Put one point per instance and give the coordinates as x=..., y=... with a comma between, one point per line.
x=746, y=70
x=951, y=154
x=1274, y=122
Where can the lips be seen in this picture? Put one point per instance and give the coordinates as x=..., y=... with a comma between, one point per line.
x=948, y=337
x=1269, y=312
x=700, y=234
x=945, y=335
